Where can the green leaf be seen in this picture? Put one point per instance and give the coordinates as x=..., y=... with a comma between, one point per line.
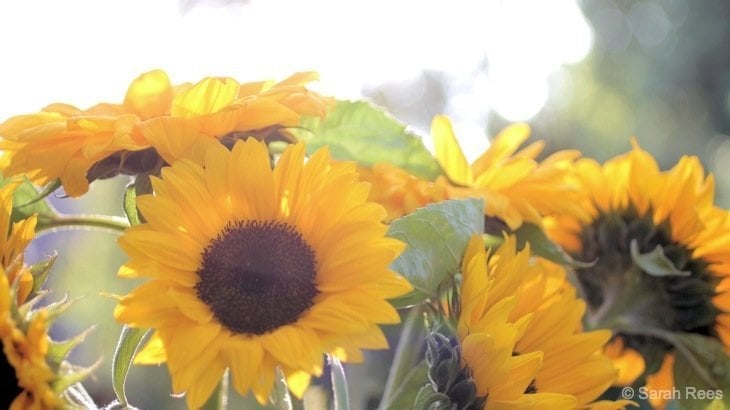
x=405, y=395
x=129, y=343
x=47, y=190
x=363, y=132
x=28, y=201
x=542, y=246
x=340, y=394
x=412, y=298
x=436, y=236
x=701, y=370
x=655, y=263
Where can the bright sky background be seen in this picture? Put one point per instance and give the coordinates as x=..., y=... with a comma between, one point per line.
x=87, y=51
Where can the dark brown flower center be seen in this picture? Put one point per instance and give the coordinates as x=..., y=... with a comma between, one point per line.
x=9, y=388
x=257, y=276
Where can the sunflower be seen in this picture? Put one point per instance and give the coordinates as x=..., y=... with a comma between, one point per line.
x=516, y=186
x=33, y=372
x=79, y=146
x=254, y=269
x=634, y=209
x=520, y=338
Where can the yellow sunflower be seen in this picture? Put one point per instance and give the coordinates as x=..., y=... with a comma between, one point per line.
x=79, y=146
x=632, y=209
x=517, y=188
x=520, y=334
x=254, y=269
x=33, y=374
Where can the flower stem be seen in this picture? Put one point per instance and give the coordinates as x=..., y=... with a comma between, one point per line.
x=113, y=223
x=219, y=399
x=403, y=357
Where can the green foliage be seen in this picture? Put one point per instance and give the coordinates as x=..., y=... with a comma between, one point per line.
x=40, y=272
x=542, y=246
x=130, y=340
x=27, y=200
x=362, y=132
x=701, y=371
x=406, y=394
x=340, y=393
x=436, y=236
x=655, y=263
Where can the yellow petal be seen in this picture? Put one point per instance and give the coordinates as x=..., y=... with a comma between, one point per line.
x=448, y=152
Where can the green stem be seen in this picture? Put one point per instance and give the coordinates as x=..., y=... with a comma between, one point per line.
x=403, y=357
x=105, y=222
x=219, y=399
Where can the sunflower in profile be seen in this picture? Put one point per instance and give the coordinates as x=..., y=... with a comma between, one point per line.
x=519, y=337
x=254, y=269
x=517, y=188
x=33, y=371
x=636, y=211
x=79, y=146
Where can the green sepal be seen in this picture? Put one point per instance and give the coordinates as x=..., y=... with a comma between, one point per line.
x=54, y=309
x=140, y=186
x=40, y=272
x=655, y=263
x=428, y=399
x=72, y=375
x=130, y=340
x=437, y=236
x=360, y=131
x=542, y=246
x=59, y=350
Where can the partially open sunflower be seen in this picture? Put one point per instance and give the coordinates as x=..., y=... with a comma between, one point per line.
x=33, y=370
x=78, y=146
x=254, y=268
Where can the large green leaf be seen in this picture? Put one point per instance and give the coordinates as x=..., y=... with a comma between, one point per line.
x=363, y=132
x=436, y=236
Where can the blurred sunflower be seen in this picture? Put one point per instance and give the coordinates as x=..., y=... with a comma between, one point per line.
x=634, y=211
x=33, y=371
x=254, y=269
x=80, y=146
x=516, y=186
x=519, y=336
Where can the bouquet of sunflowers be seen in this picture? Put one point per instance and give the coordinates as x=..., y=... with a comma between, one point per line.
x=277, y=236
